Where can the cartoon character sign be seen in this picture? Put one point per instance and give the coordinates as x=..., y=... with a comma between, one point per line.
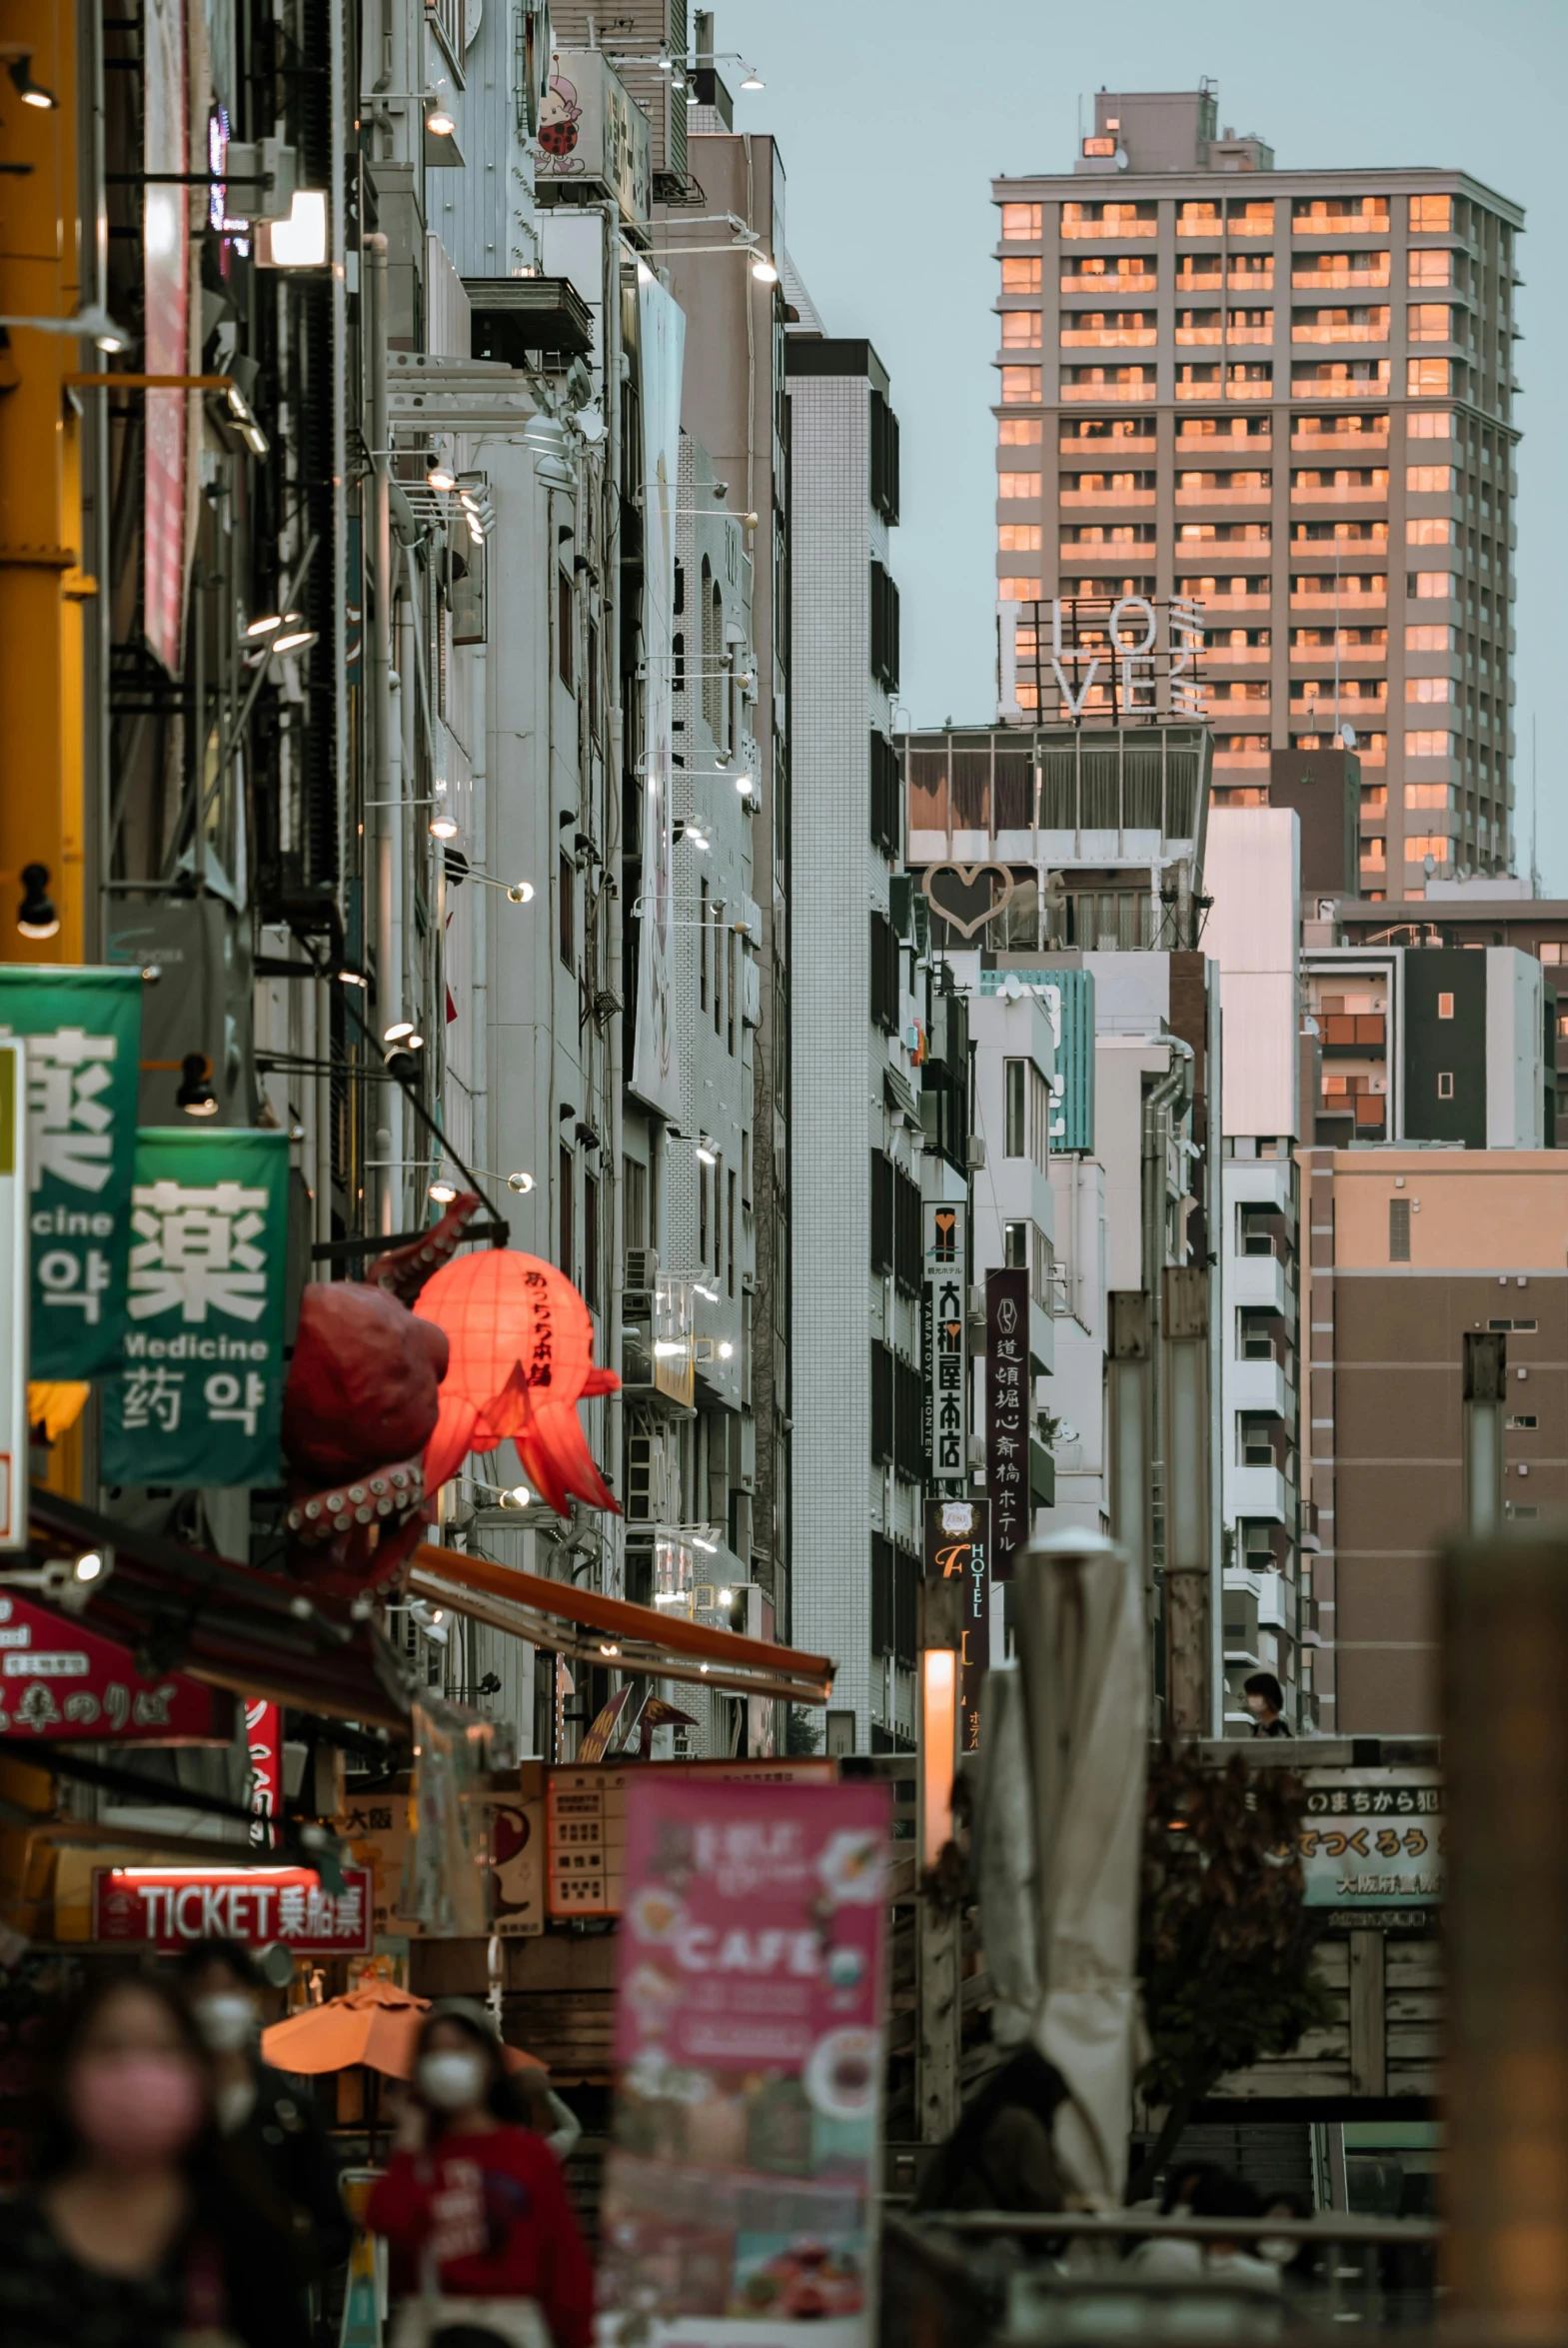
x=557, y=123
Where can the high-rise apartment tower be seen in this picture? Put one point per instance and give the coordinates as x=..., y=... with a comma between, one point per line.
x=1288, y=395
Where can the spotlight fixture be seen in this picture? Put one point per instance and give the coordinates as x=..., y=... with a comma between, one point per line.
x=30, y=92
x=519, y=1496
x=90, y=1565
x=711, y=1295
x=196, y=1096
x=443, y=828
x=752, y=79
x=441, y=122
x=36, y=915
x=725, y=1351
x=348, y=977
x=520, y=892
x=707, y=1155
x=763, y=271
x=698, y=1543
x=399, y=1032
x=293, y=640
x=521, y=1183
x=243, y=417
x=269, y=625
x=443, y=1193
x=441, y=475
x=727, y=1597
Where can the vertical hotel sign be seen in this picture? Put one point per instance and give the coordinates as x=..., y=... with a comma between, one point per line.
x=200, y=1393
x=82, y=1032
x=13, y=1295
x=944, y=1349
x=1008, y=1396
x=958, y=1549
x=166, y=153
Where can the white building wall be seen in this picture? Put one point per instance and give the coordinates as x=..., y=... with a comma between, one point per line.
x=838, y=1117
x=1252, y=872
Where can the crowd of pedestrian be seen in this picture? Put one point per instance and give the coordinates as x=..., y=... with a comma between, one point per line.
x=181, y=2191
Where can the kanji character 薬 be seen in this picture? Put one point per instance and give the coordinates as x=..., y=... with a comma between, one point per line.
x=68, y=1127
x=196, y=1250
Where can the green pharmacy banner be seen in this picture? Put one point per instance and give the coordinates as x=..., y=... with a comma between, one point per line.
x=200, y=1393
x=82, y=1032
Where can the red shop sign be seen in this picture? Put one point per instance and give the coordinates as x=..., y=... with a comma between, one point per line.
x=59, y=1680
x=169, y=1908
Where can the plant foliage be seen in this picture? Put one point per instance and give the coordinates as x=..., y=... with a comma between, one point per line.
x=1225, y=1941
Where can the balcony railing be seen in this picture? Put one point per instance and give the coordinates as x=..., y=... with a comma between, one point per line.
x=1080, y=498
x=1118, y=779
x=1223, y=497
x=1334, y=444
x=1363, y=1032
x=1343, y=280
x=1109, y=391
x=1145, y=282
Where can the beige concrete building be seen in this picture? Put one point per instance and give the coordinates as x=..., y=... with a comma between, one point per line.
x=1289, y=396
x=1409, y=1248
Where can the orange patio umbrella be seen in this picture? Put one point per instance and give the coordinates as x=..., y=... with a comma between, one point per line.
x=376, y=2025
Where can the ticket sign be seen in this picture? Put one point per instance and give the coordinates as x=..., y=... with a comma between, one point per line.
x=60, y=1680
x=166, y=1908
x=740, y=2192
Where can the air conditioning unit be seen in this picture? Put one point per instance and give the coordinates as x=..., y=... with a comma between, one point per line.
x=976, y=1154
x=642, y=1268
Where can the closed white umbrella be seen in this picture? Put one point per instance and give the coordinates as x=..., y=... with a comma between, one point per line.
x=1084, y=1672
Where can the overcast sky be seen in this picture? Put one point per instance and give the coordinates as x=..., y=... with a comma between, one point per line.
x=894, y=115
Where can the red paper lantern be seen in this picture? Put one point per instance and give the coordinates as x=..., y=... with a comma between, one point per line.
x=521, y=1358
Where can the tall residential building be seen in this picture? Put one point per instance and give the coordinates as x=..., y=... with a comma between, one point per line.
x=1288, y=395
x=860, y=1158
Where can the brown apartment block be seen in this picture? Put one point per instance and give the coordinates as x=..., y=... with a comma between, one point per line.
x=1408, y=1249
x=1288, y=395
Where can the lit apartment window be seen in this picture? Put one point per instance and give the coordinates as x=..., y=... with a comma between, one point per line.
x=1430, y=795
x=1020, y=274
x=1430, y=424
x=1430, y=477
x=1445, y=1083
x=1019, y=484
x=1429, y=689
x=1020, y=431
x=1021, y=330
x=1429, y=746
x=1431, y=215
x=1429, y=379
x=1431, y=530
x=1018, y=538
x=1437, y=585
x=1445, y=1007
x=1023, y=222
x=1020, y=387
x=1431, y=322
x=1431, y=266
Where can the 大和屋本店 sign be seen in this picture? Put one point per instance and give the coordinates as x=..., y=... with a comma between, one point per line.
x=199, y=1394
x=166, y=1908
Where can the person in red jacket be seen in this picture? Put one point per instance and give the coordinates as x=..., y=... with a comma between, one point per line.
x=474, y=2205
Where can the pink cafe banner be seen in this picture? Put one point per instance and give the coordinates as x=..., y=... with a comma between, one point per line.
x=739, y=2196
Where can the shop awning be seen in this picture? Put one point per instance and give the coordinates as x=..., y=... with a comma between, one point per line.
x=585, y=1628
x=256, y=1633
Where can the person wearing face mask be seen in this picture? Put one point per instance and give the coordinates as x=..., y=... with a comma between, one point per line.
x=270, y=2126
x=485, y=2245
x=135, y=2232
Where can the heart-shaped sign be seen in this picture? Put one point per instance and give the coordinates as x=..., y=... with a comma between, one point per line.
x=967, y=875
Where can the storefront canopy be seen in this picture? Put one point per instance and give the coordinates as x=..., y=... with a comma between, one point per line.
x=256, y=1633
x=583, y=1626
